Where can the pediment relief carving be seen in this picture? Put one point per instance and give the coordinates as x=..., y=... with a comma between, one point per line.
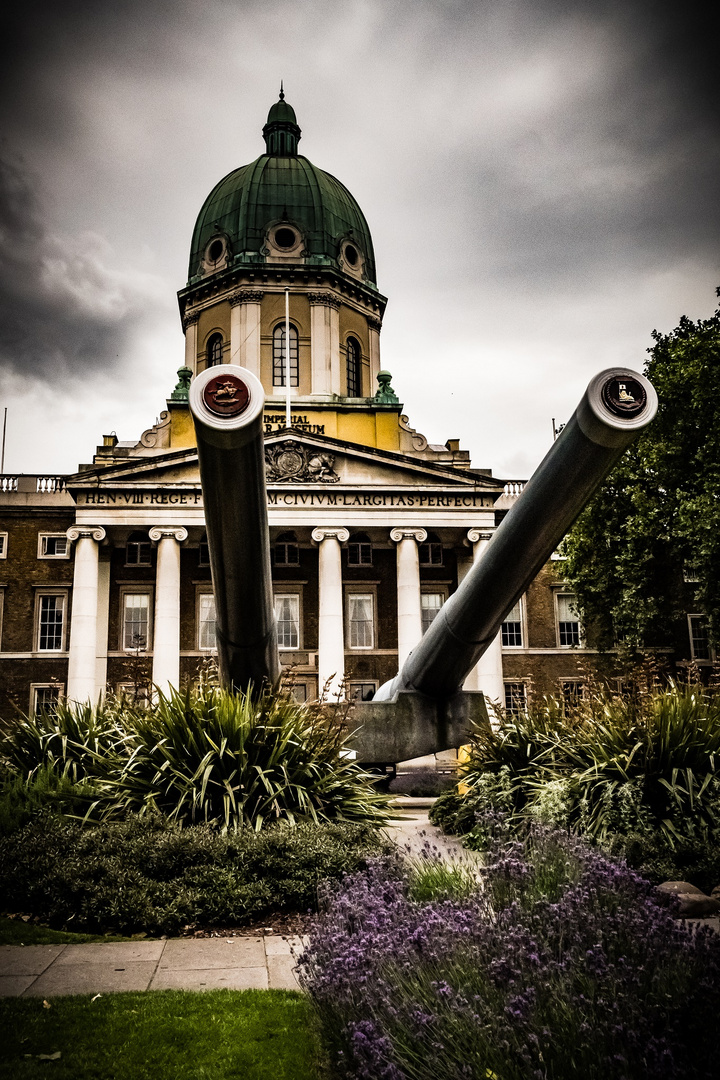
x=290, y=462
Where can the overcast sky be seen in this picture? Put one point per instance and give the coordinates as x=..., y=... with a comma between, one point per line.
x=540, y=179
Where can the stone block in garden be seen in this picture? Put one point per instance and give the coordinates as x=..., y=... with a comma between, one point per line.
x=693, y=902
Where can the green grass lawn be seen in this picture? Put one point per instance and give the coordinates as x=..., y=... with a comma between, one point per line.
x=17, y=932
x=164, y=1035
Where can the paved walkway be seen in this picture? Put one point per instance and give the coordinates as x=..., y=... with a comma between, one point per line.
x=241, y=963
x=235, y=963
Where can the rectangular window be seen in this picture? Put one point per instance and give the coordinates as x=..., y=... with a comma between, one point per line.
x=45, y=699
x=287, y=614
x=3, y=545
x=572, y=692
x=53, y=546
x=360, y=554
x=136, y=621
x=51, y=622
x=280, y=361
x=568, y=620
x=206, y=622
x=286, y=553
x=430, y=604
x=138, y=551
x=361, y=620
x=512, y=628
x=699, y=638
x=515, y=698
x=361, y=691
x=430, y=554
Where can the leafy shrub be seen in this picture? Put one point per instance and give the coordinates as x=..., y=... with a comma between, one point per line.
x=645, y=766
x=149, y=875
x=22, y=798
x=203, y=755
x=563, y=966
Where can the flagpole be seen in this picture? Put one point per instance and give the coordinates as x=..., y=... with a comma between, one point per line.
x=288, y=415
x=2, y=457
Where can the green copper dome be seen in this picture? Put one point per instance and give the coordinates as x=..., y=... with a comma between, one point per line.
x=248, y=209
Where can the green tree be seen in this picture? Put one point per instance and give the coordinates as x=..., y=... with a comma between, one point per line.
x=659, y=512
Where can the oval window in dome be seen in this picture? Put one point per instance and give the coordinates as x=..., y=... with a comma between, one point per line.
x=285, y=238
x=351, y=254
x=215, y=250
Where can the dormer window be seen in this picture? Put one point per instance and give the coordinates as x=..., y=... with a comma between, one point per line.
x=279, y=360
x=353, y=367
x=214, y=350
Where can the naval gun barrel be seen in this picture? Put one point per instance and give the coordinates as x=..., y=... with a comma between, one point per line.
x=617, y=404
x=227, y=403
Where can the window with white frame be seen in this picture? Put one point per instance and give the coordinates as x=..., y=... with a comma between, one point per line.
x=45, y=698
x=138, y=550
x=3, y=545
x=287, y=616
x=361, y=620
x=50, y=621
x=700, y=648
x=568, y=621
x=286, y=551
x=279, y=359
x=359, y=550
x=53, y=546
x=430, y=604
x=511, y=632
x=135, y=621
x=207, y=640
x=515, y=698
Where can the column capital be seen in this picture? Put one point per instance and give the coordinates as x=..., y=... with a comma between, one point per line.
x=190, y=318
x=90, y=532
x=246, y=296
x=327, y=299
x=475, y=535
x=400, y=533
x=374, y=324
x=168, y=532
x=340, y=534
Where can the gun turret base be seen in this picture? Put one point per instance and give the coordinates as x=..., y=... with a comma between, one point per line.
x=412, y=725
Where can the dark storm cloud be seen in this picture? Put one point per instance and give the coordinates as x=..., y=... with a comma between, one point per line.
x=64, y=310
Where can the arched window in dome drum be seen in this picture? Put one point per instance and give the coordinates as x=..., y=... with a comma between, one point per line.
x=353, y=368
x=279, y=355
x=214, y=350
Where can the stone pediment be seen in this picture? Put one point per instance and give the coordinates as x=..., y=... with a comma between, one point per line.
x=293, y=460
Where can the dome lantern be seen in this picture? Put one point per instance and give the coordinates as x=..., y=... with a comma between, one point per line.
x=281, y=132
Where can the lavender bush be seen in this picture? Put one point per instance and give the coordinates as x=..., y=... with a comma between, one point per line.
x=562, y=966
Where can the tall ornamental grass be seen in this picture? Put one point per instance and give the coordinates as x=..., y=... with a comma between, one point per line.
x=201, y=755
x=563, y=965
x=648, y=762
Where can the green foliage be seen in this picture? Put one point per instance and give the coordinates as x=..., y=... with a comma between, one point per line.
x=21, y=798
x=434, y=877
x=640, y=774
x=659, y=509
x=216, y=1035
x=148, y=875
x=203, y=755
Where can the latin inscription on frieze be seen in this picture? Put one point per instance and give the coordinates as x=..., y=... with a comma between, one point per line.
x=123, y=499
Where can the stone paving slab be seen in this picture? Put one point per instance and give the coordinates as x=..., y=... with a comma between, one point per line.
x=241, y=963
x=92, y=978
x=28, y=959
x=215, y=978
x=203, y=953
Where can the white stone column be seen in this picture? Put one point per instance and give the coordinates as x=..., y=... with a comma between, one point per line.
x=487, y=675
x=325, y=343
x=166, y=629
x=331, y=630
x=245, y=329
x=190, y=326
x=81, y=684
x=408, y=589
